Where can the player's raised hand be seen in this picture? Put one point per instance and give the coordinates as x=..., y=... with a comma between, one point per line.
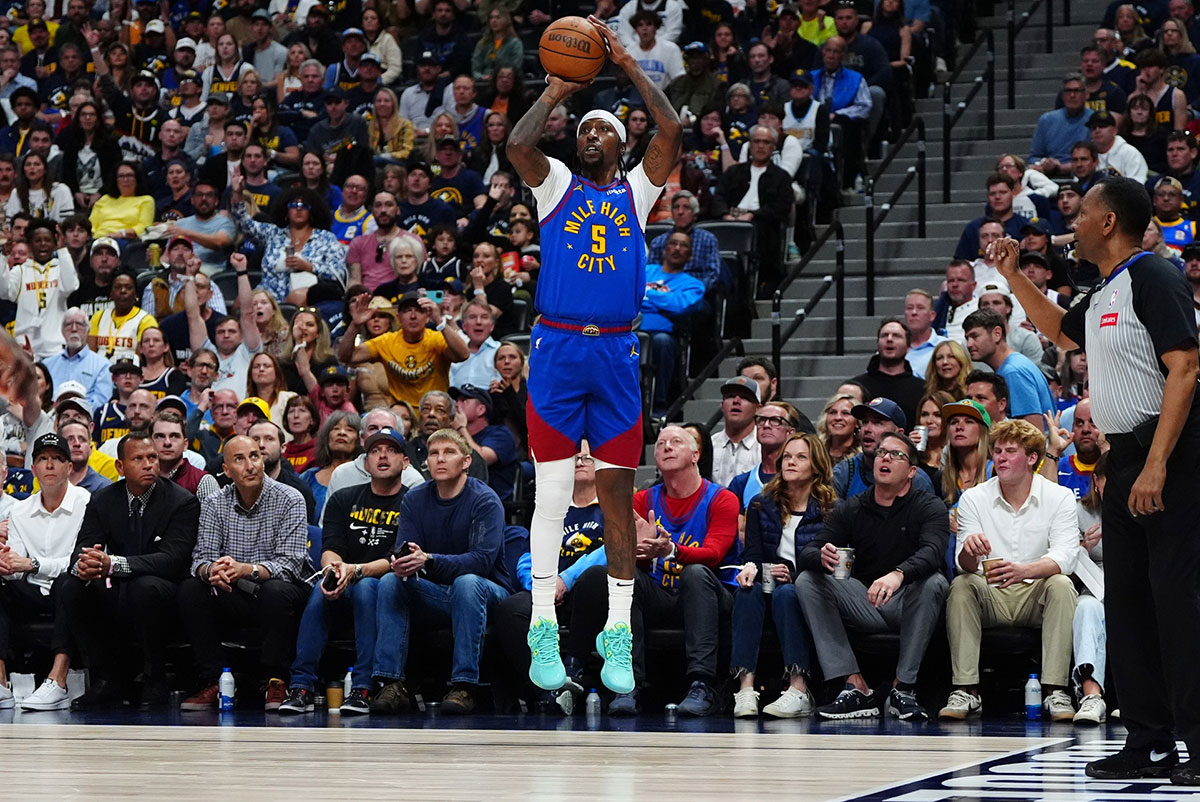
x=616, y=51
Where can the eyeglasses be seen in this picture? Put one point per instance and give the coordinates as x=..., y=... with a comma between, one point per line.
x=204, y=366
x=887, y=452
x=773, y=420
x=299, y=205
x=581, y=459
x=1069, y=90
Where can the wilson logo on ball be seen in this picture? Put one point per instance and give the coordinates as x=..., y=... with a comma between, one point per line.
x=573, y=42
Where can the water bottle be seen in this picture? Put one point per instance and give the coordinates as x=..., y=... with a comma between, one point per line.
x=1033, y=698
x=228, y=690
x=346, y=683
x=593, y=704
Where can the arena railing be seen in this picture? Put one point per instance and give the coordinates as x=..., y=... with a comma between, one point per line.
x=1015, y=26
x=875, y=220
x=949, y=120
x=837, y=279
x=731, y=346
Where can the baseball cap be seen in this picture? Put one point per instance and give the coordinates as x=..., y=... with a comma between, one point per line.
x=145, y=76
x=370, y=58
x=173, y=240
x=318, y=8
x=334, y=373
x=695, y=47
x=471, y=391
x=385, y=435
x=801, y=77
x=1170, y=181
x=261, y=13
x=997, y=286
x=1101, y=119
x=454, y=286
x=185, y=44
x=155, y=26
x=337, y=94
x=173, y=402
x=256, y=403
x=70, y=388
x=78, y=403
x=51, y=441
x=1073, y=186
x=194, y=15
x=789, y=11
x=1037, y=225
x=220, y=98
x=106, y=242
x=427, y=57
x=741, y=385
x=187, y=75
x=37, y=23
x=382, y=306
x=884, y=408
x=1033, y=257
x=412, y=297
x=417, y=164
x=354, y=32
x=449, y=141
x=972, y=409
x=1190, y=252
x=124, y=365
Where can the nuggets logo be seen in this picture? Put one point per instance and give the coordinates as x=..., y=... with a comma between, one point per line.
x=449, y=194
x=1176, y=76
x=598, y=256
x=410, y=371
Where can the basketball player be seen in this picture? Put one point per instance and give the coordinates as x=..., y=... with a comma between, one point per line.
x=583, y=365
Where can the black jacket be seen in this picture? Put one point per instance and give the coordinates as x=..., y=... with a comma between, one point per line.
x=911, y=535
x=775, y=197
x=904, y=388
x=169, y=525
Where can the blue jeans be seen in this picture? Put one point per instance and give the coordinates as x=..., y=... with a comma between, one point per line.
x=464, y=605
x=749, y=613
x=314, y=633
x=1090, y=640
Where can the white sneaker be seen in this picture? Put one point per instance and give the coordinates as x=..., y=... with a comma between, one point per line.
x=791, y=704
x=960, y=705
x=745, y=703
x=6, y=698
x=1091, y=710
x=50, y=696
x=1058, y=705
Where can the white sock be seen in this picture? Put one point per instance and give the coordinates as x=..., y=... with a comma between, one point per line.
x=555, y=483
x=620, y=600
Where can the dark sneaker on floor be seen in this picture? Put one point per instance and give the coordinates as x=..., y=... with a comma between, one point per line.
x=458, y=702
x=624, y=704
x=555, y=703
x=903, y=705
x=393, y=698
x=155, y=693
x=850, y=703
x=1187, y=773
x=358, y=703
x=102, y=695
x=276, y=693
x=574, y=675
x=1131, y=764
x=204, y=700
x=299, y=700
x=701, y=700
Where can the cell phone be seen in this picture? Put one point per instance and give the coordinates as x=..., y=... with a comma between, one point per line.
x=435, y=296
x=330, y=582
x=403, y=550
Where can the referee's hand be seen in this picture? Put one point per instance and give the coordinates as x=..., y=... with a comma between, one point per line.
x=1005, y=253
x=1146, y=496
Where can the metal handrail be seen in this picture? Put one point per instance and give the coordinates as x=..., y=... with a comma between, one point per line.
x=949, y=120
x=707, y=372
x=836, y=278
x=1014, y=30
x=917, y=127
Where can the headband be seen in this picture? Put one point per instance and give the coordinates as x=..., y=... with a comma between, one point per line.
x=608, y=117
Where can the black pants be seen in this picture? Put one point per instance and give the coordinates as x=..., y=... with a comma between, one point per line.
x=854, y=131
x=1152, y=595
x=701, y=604
x=112, y=626
x=22, y=602
x=276, y=610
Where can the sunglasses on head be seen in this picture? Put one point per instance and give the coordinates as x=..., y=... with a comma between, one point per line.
x=299, y=205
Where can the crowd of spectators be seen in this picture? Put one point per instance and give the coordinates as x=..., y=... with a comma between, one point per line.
x=267, y=259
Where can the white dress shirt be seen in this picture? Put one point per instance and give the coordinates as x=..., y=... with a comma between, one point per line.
x=731, y=459
x=1046, y=525
x=48, y=536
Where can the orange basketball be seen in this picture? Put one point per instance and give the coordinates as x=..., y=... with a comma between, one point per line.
x=572, y=49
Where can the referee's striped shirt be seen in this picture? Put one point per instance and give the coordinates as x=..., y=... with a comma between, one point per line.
x=1142, y=310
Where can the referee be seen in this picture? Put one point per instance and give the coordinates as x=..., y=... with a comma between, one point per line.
x=1139, y=330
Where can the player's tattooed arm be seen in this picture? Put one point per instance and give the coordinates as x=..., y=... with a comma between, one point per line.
x=522, y=150
x=664, y=149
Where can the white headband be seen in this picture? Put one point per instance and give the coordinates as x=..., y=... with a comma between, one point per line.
x=608, y=117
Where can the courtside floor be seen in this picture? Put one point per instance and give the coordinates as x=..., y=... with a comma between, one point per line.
x=250, y=755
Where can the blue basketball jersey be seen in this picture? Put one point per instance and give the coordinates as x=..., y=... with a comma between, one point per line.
x=593, y=256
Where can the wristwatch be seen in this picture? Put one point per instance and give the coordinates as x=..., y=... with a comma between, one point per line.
x=255, y=574
x=37, y=566
x=358, y=572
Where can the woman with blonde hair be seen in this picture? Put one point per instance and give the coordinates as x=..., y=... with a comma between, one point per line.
x=272, y=326
x=498, y=47
x=929, y=415
x=509, y=394
x=788, y=513
x=159, y=374
x=288, y=81
x=391, y=136
x=308, y=351
x=1029, y=182
x=839, y=428
x=442, y=126
x=967, y=461
x=372, y=376
x=265, y=380
x=948, y=369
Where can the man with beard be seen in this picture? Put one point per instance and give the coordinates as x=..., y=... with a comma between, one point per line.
x=889, y=375
x=367, y=258
x=437, y=411
x=269, y=438
x=210, y=231
x=139, y=412
x=162, y=296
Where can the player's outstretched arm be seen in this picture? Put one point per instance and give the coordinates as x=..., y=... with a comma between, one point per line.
x=664, y=149
x=530, y=163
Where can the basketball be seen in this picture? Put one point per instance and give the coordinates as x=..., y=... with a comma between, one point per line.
x=572, y=49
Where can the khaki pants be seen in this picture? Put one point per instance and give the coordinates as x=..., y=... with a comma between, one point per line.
x=973, y=605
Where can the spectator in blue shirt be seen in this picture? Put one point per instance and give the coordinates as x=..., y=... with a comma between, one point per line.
x=1029, y=394
x=1058, y=130
x=1000, y=188
x=671, y=296
x=705, y=263
x=449, y=569
x=495, y=444
x=79, y=363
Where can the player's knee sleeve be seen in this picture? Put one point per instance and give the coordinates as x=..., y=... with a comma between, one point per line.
x=555, y=481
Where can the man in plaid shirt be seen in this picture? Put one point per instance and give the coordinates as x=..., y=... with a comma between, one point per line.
x=249, y=564
x=705, y=263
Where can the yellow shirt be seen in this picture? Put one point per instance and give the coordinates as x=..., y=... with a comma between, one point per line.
x=111, y=215
x=20, y=38
x=817, y=29
x=413, y=369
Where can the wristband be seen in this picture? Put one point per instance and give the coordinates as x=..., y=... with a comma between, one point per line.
x=440, y=326
x=245, y=272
